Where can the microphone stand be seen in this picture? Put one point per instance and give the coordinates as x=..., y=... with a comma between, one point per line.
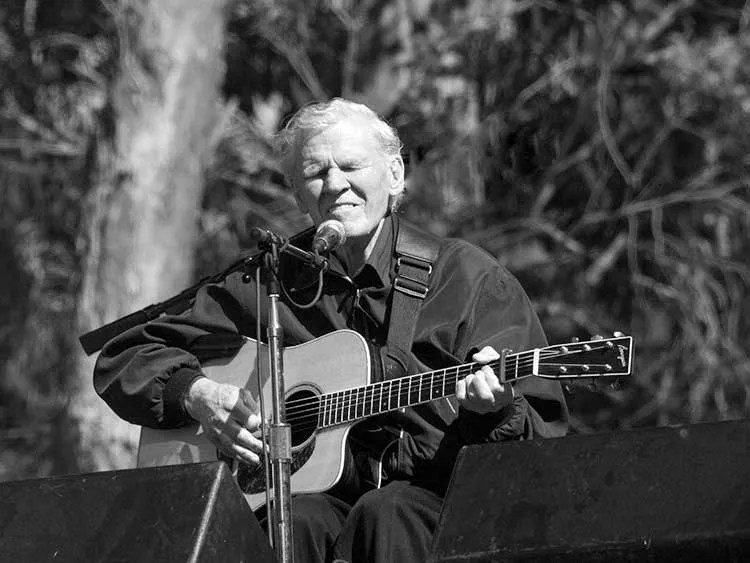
x=279, y=434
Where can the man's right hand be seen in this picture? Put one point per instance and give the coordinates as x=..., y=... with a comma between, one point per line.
x=229, y=416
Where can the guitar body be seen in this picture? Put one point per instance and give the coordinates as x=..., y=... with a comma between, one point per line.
x=330, y=363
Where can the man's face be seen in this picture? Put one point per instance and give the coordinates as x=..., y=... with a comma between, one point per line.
x=342, y=173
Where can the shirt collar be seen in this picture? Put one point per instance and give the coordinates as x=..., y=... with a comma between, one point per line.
x=377, y=268
x=376, y=271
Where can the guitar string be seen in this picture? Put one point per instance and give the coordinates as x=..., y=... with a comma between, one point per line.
x=309, y=409
x=460, y=369
x=308, y=421
x=354, y=407
x=352, y=400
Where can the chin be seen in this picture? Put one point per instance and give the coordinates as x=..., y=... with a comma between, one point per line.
x=356, y=229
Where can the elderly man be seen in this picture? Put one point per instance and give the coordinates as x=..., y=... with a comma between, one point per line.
x=344, y=163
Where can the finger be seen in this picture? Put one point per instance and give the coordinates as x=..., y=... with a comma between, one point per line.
x=492, y=380
x=243, y=454
x=248, y=400
x=481, y=389
x=249, y=441
x=245, y=414
x=252, y=423
x=485, y=355
x=237, y=442
x=461, y=390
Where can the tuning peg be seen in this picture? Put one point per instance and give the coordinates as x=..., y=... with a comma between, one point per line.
x=616, y=385
x=597, y=337
x=575, y=339
x=570, y=389
x=593, y=387
x=618, y=334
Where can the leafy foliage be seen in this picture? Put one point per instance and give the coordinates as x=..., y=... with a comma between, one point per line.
x=596, y=148
x=53, y=58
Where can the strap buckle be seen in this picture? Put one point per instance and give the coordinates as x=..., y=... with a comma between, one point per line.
x=413, y=283
x=413, y=289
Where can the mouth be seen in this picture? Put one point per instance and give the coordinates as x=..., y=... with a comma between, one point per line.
x=340, y=207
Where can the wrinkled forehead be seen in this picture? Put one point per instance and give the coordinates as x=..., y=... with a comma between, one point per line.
x=350, y=133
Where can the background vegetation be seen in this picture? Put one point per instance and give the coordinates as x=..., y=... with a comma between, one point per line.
x=599, y=149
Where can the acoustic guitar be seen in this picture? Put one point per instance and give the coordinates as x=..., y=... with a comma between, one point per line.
x=328, y=390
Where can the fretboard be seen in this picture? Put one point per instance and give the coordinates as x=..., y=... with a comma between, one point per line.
x=349, y=405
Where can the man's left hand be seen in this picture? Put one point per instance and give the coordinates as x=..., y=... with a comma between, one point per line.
x=482, y=391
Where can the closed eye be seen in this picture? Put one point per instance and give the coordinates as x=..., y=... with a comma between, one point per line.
x=350, y=166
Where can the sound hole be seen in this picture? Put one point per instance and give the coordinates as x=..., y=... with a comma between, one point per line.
x=302, y=409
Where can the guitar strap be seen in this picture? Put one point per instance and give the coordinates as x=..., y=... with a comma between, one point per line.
x=416, y=252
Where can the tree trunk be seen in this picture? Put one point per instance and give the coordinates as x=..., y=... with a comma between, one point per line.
x=147, y=192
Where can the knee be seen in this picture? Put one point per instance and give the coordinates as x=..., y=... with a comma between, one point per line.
x=309, y=515
x=378, y=505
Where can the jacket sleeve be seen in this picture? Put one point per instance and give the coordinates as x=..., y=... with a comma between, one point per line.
x=500, y=314
x=144, y=373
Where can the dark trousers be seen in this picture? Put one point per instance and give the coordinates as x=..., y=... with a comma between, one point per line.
x=393, y=524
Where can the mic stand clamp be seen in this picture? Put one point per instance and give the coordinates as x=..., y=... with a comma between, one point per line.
x=268, y=239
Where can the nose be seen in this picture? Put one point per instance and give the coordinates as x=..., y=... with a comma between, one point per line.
x=335, y=181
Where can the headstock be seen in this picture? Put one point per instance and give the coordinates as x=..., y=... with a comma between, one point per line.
x=584, y=361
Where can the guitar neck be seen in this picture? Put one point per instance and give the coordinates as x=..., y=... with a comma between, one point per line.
x=354, y=404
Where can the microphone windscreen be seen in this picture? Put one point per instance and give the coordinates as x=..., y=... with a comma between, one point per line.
x=330, y=235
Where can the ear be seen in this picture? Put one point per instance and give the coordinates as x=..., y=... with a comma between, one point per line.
x=396, y=171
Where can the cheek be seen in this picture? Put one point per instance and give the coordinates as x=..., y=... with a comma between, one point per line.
x=307, y=197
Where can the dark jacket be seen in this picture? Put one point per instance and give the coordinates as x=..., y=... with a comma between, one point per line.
x=472, y=302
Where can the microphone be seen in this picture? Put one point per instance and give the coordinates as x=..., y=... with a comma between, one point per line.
x=329, y=236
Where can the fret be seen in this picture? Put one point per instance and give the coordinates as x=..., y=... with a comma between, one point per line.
x=419, y=388
x=342, y=410
x=339, y=407
x=365, y=392
x=329, y=410
x=453, y=380
x=360, y=410
x=413, y=393
x=327, y=419
x=348, y=404
x=515, y=371
x=383, y=402
x=390, y=393
x=398, y=396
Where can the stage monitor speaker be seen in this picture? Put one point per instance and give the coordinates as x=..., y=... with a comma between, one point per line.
x=661, y=494
x=178, y=513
